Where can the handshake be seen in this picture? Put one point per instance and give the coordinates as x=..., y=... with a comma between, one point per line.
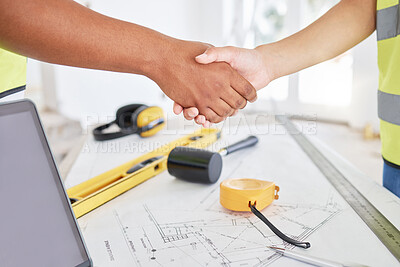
x=209, y=84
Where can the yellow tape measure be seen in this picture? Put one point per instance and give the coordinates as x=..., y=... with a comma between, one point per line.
x=236, y=194
x=246, y=194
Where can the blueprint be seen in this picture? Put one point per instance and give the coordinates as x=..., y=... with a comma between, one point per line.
x=169, y=222
x=206, y=236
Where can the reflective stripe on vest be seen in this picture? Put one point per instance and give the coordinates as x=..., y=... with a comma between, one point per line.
x=12, y=73
x=386, y=26
x=388, y=35
x=389, y=107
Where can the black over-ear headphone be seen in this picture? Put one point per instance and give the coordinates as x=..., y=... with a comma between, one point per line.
x=133, y=119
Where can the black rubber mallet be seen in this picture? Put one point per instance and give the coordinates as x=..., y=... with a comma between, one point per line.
x=202, y=166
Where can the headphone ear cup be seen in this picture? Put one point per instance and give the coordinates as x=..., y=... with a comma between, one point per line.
x=150, y=121
x=136, y=114
x=123, y=118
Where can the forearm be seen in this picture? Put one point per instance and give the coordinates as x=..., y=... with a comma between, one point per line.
x=341, y=28
x=64, y=32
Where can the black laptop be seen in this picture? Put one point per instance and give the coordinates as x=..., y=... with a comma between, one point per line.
x=37, y=225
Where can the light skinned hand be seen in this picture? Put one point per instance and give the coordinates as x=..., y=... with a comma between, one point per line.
x=248, y=62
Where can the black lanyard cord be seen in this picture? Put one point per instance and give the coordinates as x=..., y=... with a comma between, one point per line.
x=276, y=231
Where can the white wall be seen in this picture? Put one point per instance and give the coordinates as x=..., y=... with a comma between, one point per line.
x=363, y=107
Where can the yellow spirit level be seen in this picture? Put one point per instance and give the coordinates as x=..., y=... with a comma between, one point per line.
x=100, y=189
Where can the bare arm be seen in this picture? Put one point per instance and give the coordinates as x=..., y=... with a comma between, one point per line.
x=65, y=32
x=342, y=27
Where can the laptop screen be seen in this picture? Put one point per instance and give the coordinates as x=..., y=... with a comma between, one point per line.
x=37, y=227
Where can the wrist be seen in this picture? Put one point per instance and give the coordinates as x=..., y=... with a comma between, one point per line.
x=270, y=58
x=158, y=57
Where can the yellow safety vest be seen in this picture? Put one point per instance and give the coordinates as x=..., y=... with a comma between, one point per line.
x=388, y=35
x=12, y=73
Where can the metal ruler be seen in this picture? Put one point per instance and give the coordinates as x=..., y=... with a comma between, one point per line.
x=387, y=233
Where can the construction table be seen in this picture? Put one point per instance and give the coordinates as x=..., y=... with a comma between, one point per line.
x=168, y=222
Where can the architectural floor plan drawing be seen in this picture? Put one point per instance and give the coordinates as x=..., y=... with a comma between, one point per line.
x=202, y=235
x=169, y=222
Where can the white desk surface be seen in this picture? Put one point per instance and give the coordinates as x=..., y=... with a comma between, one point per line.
x=169, y=222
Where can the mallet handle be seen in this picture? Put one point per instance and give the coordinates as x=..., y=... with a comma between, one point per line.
x=248, y=142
